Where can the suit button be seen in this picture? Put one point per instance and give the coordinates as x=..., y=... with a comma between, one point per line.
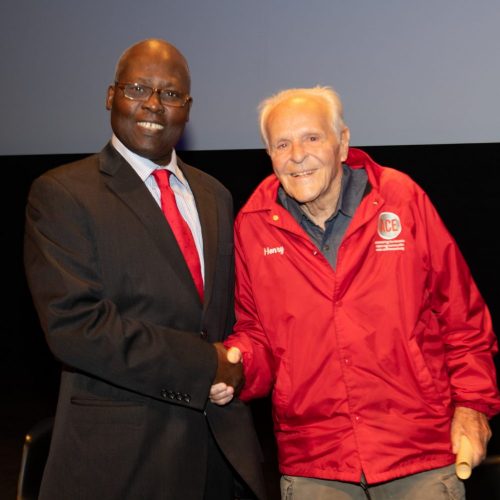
x=187, y=398
x=178, y=396
x=164, y=393
x=204, y=334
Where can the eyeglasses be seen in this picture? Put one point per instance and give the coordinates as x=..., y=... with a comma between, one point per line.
x=139, y=92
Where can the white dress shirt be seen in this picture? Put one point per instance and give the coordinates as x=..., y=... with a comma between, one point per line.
x=183, y=194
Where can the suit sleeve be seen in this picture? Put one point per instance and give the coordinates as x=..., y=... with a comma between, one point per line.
x=84, y=328
x=464, y=320
x=249, y=335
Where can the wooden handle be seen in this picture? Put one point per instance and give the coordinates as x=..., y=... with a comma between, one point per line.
x=463, y=463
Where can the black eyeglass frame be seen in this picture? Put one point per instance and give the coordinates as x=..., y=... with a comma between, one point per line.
x=185, y=99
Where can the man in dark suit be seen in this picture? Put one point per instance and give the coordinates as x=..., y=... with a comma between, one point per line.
x=120, y=310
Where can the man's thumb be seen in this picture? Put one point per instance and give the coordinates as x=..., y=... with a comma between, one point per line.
x=234, y=355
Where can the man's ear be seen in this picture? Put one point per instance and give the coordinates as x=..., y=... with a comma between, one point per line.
x=345, y=137
x=110, y=96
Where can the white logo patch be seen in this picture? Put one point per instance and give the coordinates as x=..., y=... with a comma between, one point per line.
x=389, y=225
x=389, y=228
x=274, y=250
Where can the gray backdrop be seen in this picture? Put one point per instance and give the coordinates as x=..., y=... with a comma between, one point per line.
x=409, y=72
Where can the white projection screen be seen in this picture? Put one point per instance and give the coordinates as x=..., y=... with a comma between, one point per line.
x=409, y=72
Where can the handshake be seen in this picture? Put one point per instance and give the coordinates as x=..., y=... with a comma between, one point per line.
x=229, y=378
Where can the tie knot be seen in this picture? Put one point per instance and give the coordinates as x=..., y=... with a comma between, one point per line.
x=162, y=176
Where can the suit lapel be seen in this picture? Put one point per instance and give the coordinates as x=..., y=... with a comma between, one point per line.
x=126, y=184
x=207, y=212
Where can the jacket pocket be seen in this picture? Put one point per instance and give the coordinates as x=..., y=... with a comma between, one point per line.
x=281, y=392
x=423, y=375
x=101, y=411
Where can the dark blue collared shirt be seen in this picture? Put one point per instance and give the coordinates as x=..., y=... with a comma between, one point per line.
x=352, y=189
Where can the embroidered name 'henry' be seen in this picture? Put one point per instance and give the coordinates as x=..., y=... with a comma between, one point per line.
x=274, y=250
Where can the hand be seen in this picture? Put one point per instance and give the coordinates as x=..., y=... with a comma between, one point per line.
x=229, y=367
x=474, y=425
x=222, y=393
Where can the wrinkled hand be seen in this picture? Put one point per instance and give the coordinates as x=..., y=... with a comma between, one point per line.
x=229, y=377
x=474, y=425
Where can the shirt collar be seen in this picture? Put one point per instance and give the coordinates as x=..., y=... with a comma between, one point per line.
x=143, y=166
x=353, y=186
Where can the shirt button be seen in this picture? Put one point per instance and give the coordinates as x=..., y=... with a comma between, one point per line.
x=339, y=303
x=357, y=419
x=204, y=334
x=347, y=361
x=326, y=247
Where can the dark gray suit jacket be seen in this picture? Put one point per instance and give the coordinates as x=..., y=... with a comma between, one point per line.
x=120, y=311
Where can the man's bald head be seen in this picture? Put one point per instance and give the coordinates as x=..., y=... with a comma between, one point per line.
x=145, y=49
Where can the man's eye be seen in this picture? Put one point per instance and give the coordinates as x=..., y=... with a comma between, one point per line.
x=170, y=94
x=136, y=90
x=313, y=138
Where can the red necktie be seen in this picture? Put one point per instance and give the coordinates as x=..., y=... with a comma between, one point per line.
x=179, y=227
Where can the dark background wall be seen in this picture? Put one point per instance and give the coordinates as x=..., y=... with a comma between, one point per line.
x=461, y=179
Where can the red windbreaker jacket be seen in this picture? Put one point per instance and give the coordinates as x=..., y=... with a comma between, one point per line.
x=365, y=362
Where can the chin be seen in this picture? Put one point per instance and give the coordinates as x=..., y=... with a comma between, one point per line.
x=303, y=197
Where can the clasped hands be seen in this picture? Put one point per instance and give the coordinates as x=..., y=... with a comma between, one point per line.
x=229, y=378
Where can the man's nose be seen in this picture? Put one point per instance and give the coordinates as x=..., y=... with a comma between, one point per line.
x=297, y=152
x=154, y=103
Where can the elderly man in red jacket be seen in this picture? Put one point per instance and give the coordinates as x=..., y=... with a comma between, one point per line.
x=357, y=310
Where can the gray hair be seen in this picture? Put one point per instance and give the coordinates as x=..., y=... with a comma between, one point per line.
x=330, y=98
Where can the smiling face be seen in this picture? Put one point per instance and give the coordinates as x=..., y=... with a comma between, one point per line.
x=306, y=153
x=149, y=128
